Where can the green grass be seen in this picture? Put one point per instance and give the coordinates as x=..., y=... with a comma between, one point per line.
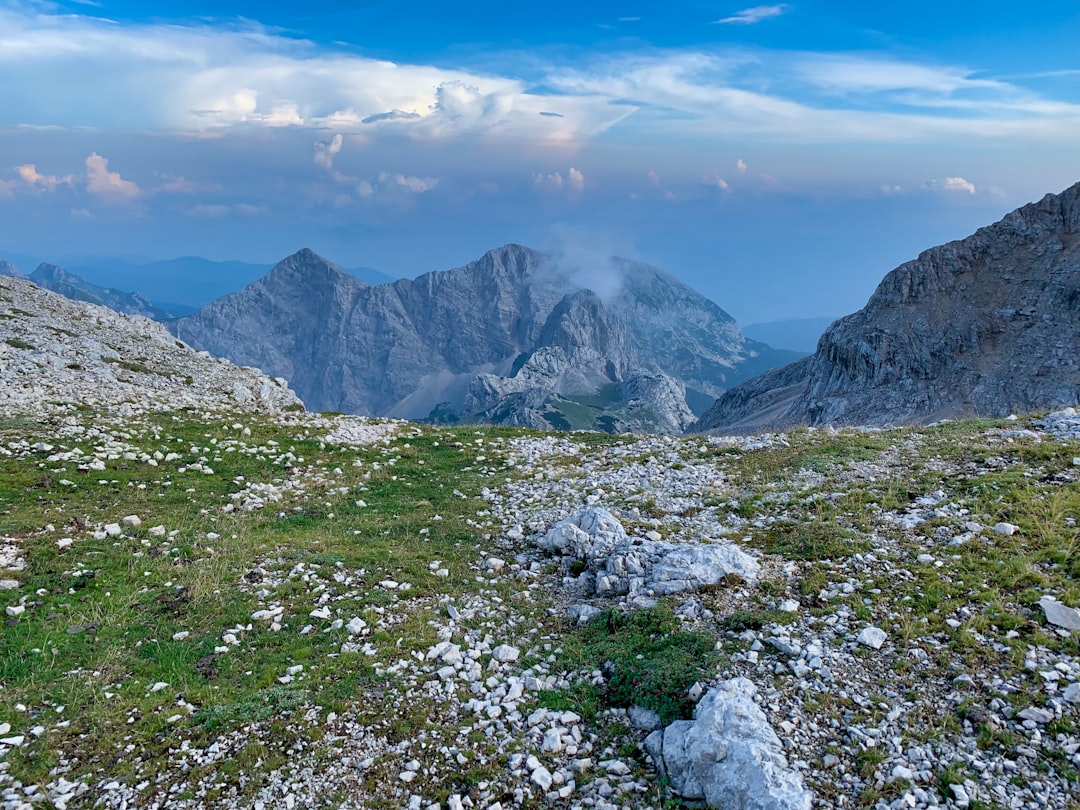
x=100, y=631
x=649, y=660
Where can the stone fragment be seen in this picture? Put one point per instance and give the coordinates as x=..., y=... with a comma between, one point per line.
x=504, y=653
x=1036, y=715
x=645, y=719
x=541, y=777
x=131, y=521
x=872, y=637
x=355, y=626
x=728, y=754
x=1059, y=614
x=1006, y=529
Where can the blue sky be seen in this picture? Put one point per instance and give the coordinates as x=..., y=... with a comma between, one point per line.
x=779, y=157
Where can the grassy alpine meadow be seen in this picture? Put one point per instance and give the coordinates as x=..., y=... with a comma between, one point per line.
x=196, y=603
x=125, y=636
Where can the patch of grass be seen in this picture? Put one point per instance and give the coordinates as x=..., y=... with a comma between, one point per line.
x=648, y=660
x=19, y=343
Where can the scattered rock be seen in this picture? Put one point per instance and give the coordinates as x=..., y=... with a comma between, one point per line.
x=872, y=637
x=728, y=755
x=1059, y=614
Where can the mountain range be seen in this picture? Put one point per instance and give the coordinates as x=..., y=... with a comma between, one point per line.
x=515, y=337
x=983, y=326
x=177, y=286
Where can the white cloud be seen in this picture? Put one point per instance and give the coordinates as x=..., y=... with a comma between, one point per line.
x=7, y=188
x=654, y=178
x=749, y=16
x=551, y=181
x=574, y=182
x=109, y=185
x=741, y=166
x=958, y=184
x=219, y=211
x=413, y=185
x=394, y=186
x=29, y=174
x=325, y=151
x=862, y=74
x=715, y=180
x=949, y=185
x=200, y=81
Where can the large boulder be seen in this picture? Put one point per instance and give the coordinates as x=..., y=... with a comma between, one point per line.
x=616, y=563
x=728, y=755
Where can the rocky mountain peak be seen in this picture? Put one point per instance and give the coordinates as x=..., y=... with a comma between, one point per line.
x=50, y=272
x=515, y=323
x=306, y=268
x=983, y=326
x=580, y=321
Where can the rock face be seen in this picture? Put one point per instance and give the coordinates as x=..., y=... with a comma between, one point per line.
x=728, y=756
x=77, y=288
x=980, y=327
x=516, y=337
x=58, y=354
x=641, y=568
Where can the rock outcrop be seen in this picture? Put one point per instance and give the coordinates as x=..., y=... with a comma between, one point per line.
x=515, y=337
x=58, y=354
x=728, y=755
x=984, y=326
x=641, y=568
x=69, y=285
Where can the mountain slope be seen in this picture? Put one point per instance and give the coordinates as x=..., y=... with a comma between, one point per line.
x=979, y=327
x=455, y=343
x=69, y=285
x=56, y=354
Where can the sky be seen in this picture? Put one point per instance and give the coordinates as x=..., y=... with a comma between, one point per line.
x=779, y=158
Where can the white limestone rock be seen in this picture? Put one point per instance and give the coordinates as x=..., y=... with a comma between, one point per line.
x=1060, y=615
x=728, y=755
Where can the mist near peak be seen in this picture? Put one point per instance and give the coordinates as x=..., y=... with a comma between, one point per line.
x=588, y=259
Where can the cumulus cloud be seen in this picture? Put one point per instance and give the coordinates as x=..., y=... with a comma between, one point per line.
x=220, y=211
x=202, y=80
x=741, y=166
x=397, y=186
x=325, y=151
x=551, y=181
x=715, y=180
x=29, y=174
x=755, y=14
x=950, y=185
x=573, y=182
x=958, y=184
x=108, y=185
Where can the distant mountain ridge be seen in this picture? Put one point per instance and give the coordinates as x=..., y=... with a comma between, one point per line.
x=69, y=285
x=983, y=326
x=511, y=338
x=179, y=286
